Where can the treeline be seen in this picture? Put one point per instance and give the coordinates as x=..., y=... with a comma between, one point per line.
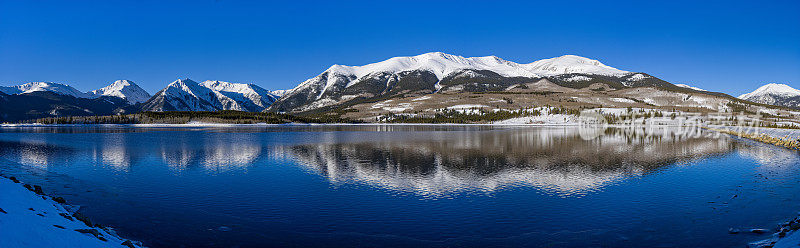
x=181, y=117
x=476, y=115
x=455, y=117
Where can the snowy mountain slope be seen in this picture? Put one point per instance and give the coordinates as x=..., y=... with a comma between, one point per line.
x=250, y=96
x=572, y=64
x=278, y=93
x=775, y=94
x=43, y=86
x=188, y=95
x=436, y=71
x=123, y=89
x=689, y=87
x=772, y=89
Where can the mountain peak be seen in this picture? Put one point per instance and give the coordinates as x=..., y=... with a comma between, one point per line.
x=122, y=82
x=124, y=89
x=182, y=81
x=774, y=94
x=567, y=64
x=772, y=89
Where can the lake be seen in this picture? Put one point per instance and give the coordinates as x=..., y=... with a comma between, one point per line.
x=410, y=185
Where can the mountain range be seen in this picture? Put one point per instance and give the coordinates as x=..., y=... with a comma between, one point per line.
x=411, y=85
x=439, y=72
x=47, y=99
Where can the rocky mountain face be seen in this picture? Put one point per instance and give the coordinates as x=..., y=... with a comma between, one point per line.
x=775, y=94
x=188, y=95
x=429, y=73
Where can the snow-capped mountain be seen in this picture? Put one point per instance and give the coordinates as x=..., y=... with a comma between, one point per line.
x=442, y=65
x=250, y=96
x=775, y=94
x=123, y=89
x=435, y=72
x=188, y=95
x=57, y=88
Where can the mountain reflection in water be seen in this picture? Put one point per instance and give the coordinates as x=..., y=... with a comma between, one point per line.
x=439, y=162
x=556, y=161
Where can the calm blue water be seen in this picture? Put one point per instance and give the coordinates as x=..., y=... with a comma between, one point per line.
x=436, y=186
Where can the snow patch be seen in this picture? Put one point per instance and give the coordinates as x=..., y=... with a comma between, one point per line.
x=689, y=87
x=577, y=79
x=625, y=100
x=421, y=98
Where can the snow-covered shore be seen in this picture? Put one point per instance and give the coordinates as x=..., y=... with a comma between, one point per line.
x=29, y=219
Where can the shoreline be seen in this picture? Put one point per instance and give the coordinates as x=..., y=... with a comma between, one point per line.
x=788, y=233
x=31, y=218
x=208, y=124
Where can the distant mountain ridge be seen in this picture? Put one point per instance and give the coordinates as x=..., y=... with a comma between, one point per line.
x=124, y=89
x=774, y=94
x=57, y=88
x=47, y=99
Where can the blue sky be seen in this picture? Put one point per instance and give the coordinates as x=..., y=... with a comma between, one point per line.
x=725, y=46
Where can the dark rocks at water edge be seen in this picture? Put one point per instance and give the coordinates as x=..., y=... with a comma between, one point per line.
x=92, y=232
x=784, y=230
x=35, y=188
x=83, y=219
x=128, y=243
x=66, y=216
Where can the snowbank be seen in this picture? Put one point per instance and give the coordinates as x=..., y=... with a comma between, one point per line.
x=31, y=220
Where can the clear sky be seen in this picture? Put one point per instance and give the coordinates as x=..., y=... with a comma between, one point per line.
x=725, y=46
